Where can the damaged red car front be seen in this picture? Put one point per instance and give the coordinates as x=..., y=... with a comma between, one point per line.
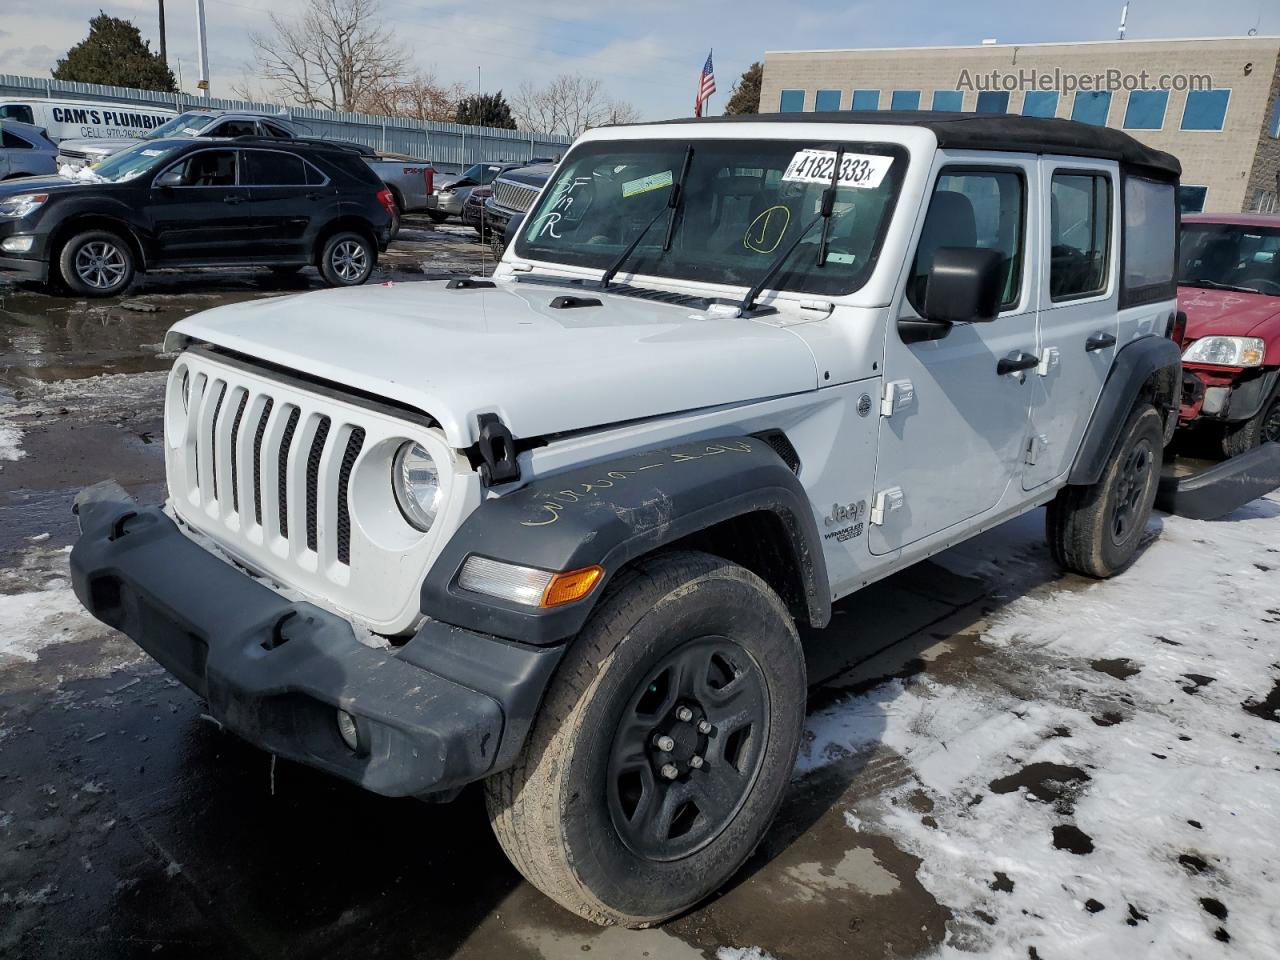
x=1229, y=289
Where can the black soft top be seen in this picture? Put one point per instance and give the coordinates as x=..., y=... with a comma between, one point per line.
x=991, y=131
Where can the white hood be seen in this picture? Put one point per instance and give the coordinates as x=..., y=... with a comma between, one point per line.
x=454, y=354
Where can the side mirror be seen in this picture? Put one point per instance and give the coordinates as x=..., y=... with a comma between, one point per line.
x=964, y=286
x=513, y=227
x=170, y=178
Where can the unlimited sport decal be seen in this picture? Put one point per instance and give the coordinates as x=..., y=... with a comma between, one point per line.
x=856, y=169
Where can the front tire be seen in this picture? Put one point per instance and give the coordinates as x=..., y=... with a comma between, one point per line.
x=1095, y=530
x=664, y=746
x=1262, y=427
x=97, y=263
x=347, y=259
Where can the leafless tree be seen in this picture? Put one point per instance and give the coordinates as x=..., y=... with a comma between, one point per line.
x=419, y=97
x=333, y=56
x=568, y=104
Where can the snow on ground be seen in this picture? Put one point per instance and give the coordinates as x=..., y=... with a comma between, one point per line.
x=1106, y=783
x=10, y=442
x=31, y=621
x=99, y=397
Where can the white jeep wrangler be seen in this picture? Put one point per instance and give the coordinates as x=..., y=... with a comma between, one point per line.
x=727, y=373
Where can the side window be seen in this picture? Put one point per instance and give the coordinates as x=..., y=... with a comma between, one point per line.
x=208, y=168
x=234, y=128
x=14, y=142
x=315, y=177
x=17, y=111
x=488, y=173
x=1149, y=241
x=271, y=168
x=271, y=130
x=1079, y=234
x=974, y=208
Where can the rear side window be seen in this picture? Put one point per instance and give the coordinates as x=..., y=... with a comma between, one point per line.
x=271, y=130
x=234, y=128
x=14, y=142
x=17, y=111
x=271, y=168
x=974, y=208
x=1149, y=241
x=1079, y=234
x=356, y=168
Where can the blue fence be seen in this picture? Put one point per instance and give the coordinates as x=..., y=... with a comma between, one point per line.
x=449, y=146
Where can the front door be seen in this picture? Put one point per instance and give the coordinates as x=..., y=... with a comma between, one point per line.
x=1078, y=319
x=203, y=218
x=953, y=424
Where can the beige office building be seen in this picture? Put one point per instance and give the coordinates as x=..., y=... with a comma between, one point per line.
x=1210, y=102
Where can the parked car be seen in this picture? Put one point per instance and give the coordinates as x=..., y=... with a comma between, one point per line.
x=193, y=123
x=411, y=182
x=192, y=202
x=513, y=193
x=1229, y=288
x=25, y=151
x=64, y=119
x=727, y=372
x=473, y=209
x=452, y=192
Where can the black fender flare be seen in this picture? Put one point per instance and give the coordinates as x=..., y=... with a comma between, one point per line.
x=1149, y=359
x=612, y=512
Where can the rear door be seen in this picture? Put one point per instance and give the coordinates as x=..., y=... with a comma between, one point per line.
x=286, y=197
x=1078, y=328
x=205, y=218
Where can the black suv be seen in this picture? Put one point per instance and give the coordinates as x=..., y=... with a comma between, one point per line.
x=174, y=203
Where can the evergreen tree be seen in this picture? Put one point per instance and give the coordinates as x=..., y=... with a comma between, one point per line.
x=485, y=110
x=745, y=95
x=114, y=53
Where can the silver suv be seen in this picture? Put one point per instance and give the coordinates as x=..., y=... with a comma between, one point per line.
x=193, y=123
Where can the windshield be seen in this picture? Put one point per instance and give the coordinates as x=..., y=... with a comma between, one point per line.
x=134, y=161
x=743, y=201
x=1230, y=256
x=183, y=125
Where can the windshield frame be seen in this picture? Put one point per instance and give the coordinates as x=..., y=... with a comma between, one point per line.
x=784, y=285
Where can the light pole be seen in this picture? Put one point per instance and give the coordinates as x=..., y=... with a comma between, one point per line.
x=164, y=49
x=202, y=41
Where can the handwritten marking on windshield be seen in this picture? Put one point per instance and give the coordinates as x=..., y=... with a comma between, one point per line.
x=777, y=214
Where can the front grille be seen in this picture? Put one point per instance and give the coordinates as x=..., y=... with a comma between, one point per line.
x=295, y=484
x=514, y=196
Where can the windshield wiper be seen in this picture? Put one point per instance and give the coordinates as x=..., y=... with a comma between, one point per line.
x=674, y=199
x=828, y=206
x=1215, y=285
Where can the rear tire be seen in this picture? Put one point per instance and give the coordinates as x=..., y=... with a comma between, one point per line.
x=347, y=259
x=1095, y=530
x=437, y=217
x=1262, y=427
x=96, y=263
x=589, y=812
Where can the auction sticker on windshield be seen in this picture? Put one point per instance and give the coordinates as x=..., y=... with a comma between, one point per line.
x=655, y=181
x=856, y=169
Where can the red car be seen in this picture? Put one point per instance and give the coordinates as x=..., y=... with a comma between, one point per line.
x=1229, y=288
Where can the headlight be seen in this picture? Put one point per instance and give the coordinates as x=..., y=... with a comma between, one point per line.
x=21, y=205
x=416, y=482
x=1226, y=351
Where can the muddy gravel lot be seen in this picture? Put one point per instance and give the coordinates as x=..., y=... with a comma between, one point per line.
x=1000, y=760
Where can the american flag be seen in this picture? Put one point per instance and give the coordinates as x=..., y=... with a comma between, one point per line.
x=706, y=86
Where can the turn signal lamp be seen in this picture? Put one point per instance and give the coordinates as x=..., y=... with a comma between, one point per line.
x=527, y=586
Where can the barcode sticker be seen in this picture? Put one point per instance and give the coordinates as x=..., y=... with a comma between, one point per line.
x=856, y=169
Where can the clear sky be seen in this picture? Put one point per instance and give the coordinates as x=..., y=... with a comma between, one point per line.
x=649, y=53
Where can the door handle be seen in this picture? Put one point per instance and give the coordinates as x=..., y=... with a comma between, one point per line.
x=1099, y=341
x=1026, y=361
x=233, y=199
